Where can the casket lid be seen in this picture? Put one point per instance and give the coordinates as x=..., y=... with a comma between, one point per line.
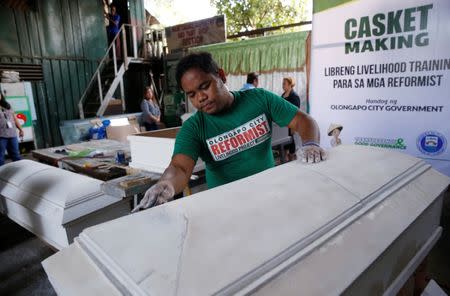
x=60, y=187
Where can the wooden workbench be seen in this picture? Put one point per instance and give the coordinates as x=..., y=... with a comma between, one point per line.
x=130, y=185
x=120, y=180
x=102, y=168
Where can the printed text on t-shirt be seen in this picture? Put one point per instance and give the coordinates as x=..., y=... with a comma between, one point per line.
x=248, y=135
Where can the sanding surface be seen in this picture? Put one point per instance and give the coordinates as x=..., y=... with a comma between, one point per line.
x=213, y=240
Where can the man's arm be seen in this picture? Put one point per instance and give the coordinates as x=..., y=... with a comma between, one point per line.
x=178, y=172
x=286, y=114
x=308, y=130
x=174, y=179
x=187, y=149
x=306, y=127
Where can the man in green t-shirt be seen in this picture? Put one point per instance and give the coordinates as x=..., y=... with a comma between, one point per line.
x=231, y=132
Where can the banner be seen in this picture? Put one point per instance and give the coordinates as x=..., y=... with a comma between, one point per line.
x=202, y=32
x=380, y=75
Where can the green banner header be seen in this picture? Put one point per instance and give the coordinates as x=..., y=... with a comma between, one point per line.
x=321, y=5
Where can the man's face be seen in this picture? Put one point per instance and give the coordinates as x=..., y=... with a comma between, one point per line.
x=206, y=91
x=255, y=82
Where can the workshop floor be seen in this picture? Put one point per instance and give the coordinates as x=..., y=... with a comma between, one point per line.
x=21, y=253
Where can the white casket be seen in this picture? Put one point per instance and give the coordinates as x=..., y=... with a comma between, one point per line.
x=359, y=222
x=54, y=204
x=152, y=151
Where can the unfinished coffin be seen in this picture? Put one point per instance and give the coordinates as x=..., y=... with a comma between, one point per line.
x=152, y=151
x=349, y=225
x=54, y=204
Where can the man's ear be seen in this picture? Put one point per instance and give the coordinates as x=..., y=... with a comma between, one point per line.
x=222, y=75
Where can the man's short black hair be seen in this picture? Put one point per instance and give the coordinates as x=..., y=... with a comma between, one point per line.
x=199, y=60
x=251, y=77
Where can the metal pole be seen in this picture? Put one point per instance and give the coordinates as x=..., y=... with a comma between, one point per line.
x=122, y=94
x=114, y=59
x=80, y=108
x=99, y=80
x=124, y=44
x=133, y=31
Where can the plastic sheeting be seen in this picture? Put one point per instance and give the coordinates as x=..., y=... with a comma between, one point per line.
x=279, y=53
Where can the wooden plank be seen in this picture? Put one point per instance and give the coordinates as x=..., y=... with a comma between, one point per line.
x=130, y=185
x=47, y=156
x=59, y=90
x=94, y=168
x=74, y=87
x=69, y=40
x=170, y=133
x=52, y=105
x=42, y=128
x=105, y=145
x=75, y=22
x=22, y=33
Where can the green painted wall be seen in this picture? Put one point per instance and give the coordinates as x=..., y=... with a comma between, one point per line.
x=68, y=38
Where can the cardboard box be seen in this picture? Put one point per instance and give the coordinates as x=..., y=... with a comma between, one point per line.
x=152, y=151
x=120, y=133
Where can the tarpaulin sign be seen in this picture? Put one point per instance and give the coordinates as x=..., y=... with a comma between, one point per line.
x=380, y=75
x=202, y=32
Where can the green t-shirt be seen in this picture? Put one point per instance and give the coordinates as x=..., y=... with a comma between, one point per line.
x=235, y=143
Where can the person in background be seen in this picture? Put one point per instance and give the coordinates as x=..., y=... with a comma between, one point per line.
x=292, y=97
x=151, y=114
x=289, y=94
x=8, y=133
x=114, y=28
x=252, y=81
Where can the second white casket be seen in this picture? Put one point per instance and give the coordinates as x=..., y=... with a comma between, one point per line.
x=355, y=223
x=54, y=204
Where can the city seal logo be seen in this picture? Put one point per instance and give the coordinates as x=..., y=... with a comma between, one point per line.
x=431, y=143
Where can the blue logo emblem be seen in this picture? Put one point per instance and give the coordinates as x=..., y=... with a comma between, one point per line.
x=431, y=143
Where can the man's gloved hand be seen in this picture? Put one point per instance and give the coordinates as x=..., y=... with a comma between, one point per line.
x=311, y=152
x=158, y=194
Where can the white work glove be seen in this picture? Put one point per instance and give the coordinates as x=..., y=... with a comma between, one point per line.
x=311, y=152
x=158, y=194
